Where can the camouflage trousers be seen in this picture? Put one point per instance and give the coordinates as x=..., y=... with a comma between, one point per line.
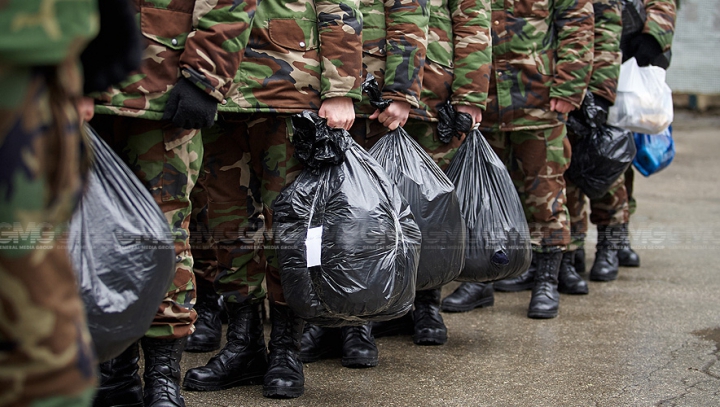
x=367, y=132
x=609, y=210
x=167, y=161
x=46, y=355
x=537, y=160
x=201, y=241
x=248, y=161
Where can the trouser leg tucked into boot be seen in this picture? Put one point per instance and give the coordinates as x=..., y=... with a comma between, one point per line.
x=284, y=377
x=569, y=281
x=162, y=372
x=545, y=299
x=606, y=264
x=120, y=384
x=319, y=343
x=524, y=281
x=242, y=361
x=626, y=255
x=469, y=296
x=208, y=327
x=358, y=346
x=429, y=325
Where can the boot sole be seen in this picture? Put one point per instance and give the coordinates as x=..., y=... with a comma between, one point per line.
x=430, y=341
x=359, y=363
x=629, y=264
x=190, y=384
x=514, y=288
x=465, y=308
x=283, y=392
x=603, y=278
x=542, y=314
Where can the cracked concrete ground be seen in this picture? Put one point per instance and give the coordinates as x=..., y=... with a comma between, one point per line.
x=651, y=338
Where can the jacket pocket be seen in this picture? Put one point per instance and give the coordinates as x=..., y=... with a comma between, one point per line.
x=167, y=27
x=293, y=35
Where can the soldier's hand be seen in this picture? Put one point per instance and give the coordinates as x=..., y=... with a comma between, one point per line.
x=561, y=106
x=339, y=112
x=394, y=116
x=474, y=112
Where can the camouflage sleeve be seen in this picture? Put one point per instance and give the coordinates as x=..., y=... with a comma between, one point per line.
x=472, y=51
x=339, y=25
x=574, y=23
x=406, y=25
x=214, y=49
x=36, y=33
x=607, y=56
x=660, y=21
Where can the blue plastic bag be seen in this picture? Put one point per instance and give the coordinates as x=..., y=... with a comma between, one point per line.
x=654, y=151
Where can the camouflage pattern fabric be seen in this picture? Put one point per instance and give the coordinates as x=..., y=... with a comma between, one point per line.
x=201, y=242
x=300, y=53
x=457, y=66
x=607, y=56
x=46, y=355
x=537, y=160
x=660, y=21
x=541, y=49
x=394, y=47
x=249, y=161
x=202, y=40
x=169, y=174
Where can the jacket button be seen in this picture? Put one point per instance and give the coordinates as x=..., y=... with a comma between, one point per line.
x=174, y=41
x=496, y=22
x=302, y=44
x=224, y=101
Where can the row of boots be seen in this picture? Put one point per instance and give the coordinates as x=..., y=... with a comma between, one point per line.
x=243, y=361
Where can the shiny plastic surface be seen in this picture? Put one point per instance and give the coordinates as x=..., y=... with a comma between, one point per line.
x=654, y=151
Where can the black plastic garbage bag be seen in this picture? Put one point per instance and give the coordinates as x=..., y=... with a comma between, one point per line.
x=347, y=243
x=452, y=123
x=599, y=158
x=497, y=231
x=431, y=196
x=122, y=250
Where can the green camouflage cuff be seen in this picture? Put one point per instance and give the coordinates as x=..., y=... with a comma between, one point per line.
x=201, y=82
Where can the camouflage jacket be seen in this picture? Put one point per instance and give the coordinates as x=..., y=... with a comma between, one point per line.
x=542, y=49
x=660, y=21
x=201, y=40
x=300, y=53
x=457, y=66
x=394, y=49
x=607, y=55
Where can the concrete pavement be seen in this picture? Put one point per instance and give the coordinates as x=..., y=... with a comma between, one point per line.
x=651, y=338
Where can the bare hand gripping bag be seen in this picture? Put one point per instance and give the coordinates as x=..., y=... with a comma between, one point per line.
x=498, y=236
x=347, y=243
x=122, y=250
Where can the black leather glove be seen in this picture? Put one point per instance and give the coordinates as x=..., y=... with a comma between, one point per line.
x=117, y=49
x=189, y=107
x=645, y=49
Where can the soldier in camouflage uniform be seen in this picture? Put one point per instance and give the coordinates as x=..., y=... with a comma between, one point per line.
x=394, y=48
x=542, y=59
x=46, y=355
x=303, y=55
x=192, y=50
x=615, y=207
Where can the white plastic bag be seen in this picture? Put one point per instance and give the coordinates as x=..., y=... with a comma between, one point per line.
x=644, y=100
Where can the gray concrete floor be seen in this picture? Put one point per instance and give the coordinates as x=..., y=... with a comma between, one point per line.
x=651, y=338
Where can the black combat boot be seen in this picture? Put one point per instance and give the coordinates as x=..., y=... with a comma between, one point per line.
x=606, y=264
x=319, y=343
x=120, y=384
x=162, y=372
x=569, y=281
x=626, y=255
x=469, y=296
x=208, y=327
x=545, y=299
x=398, y=326
x=242, y=361
x=284, y=377
x=358, y=346
x=580, y=260
x=524, y=281
x=429, y=326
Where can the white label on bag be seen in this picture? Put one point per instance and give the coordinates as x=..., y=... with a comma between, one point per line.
x=313, y=246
